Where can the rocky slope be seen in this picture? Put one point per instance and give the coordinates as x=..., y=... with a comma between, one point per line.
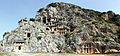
x=86, y=26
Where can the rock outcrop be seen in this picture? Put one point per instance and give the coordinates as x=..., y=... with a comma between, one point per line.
x=63, y=27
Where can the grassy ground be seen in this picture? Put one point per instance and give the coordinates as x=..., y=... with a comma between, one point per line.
x=3, y=54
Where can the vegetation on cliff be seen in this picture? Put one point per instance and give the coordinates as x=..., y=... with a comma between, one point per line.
x=67, y=28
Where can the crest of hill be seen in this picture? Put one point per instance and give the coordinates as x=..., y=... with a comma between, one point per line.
x=109, y=17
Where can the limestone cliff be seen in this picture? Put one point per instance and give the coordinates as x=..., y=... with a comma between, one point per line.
x=63, y=27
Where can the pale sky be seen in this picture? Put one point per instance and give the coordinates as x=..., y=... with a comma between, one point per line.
x=11, y=11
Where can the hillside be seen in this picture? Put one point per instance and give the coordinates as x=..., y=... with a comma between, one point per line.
x=63, y=27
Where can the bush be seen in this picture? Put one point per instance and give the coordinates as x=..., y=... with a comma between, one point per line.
x=107, y=40
x=39, y=37
x=116, y=20
x=52, y=4
x=67, y=35
x=77, y=14
x=103, y=36
x=33, y=26
x=80, y=30
x=40, y=10
x=5, y=33
x=32, y=19
x=95, y=36
x=83, y=22
x=52, y=32
x=59, y=47
x=41, y=31
x=1, y=44
x=118, y=33
x=94, y=22
x=73, y=7
x=68, y=50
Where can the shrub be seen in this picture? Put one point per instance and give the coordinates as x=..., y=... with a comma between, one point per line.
x=77, y=14
x=33, y=26
x=80, y=30
x=116, y=20
x=103, y=36
x=83, y=22
x=52, y=4
x=95, y=36
x=1, y=44
x=52, y=32
x=32, y=19
x=118, y=33
x=21, y=26
x=68, y=50
x=107, y=40
x=59, y=47
x=73, y=7
x=40, y=10
x=67, y=35
x=39, y=37
x=5, y=33
x=41, y=31
x=94, y=22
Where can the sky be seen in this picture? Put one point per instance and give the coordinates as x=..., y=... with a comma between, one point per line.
x=11, y=11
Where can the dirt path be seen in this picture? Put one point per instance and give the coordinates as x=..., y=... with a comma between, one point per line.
x=56, y=54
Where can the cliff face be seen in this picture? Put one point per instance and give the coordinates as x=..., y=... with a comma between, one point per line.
x=62, y=27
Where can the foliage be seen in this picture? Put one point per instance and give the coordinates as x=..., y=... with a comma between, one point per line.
x=73, y=7
x=21, y=26
x=107, y=40
x=80, y=30
x=116, y=20
x=118, y=33
x=59, y=47
x=33, y=26
x=40, y=9
x=67, y=35
x=1, y=44
x=4, y=54
x=32, y=19
x=52, y=32
x=103, y=36
x=94, y=22
x=83, y=22
x=39, y=37
x=42, y=31
x=5, y=33
x=68, y=50
x=96, y=36
x=91, y=12
x=109, y=21
x=77, y=14
x=52, y=4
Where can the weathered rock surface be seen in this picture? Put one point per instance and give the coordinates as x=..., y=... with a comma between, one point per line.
x=81, y=25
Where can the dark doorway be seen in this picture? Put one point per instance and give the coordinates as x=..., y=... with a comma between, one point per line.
x=28, y=34
x=19, y=47
x=44, y=20
x=87, y=50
